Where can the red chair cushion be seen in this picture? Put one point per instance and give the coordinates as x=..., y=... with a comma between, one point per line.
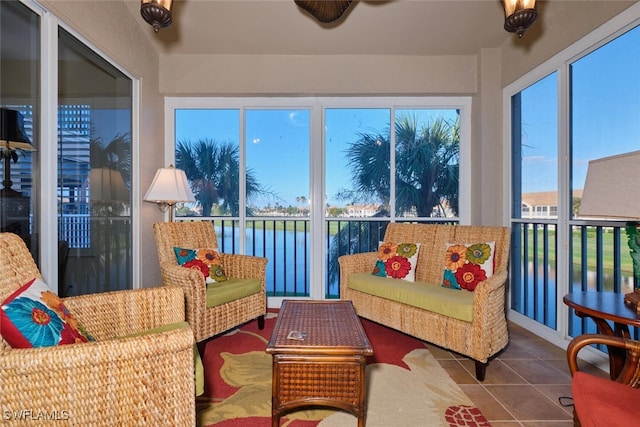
x=602, y=402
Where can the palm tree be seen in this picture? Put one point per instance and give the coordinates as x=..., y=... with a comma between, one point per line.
x=426, y=166
x=427, y=162
x=116, y=155
x=213, y=169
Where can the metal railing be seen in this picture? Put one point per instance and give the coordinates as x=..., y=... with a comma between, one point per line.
x=599, y=261
x=286, y=243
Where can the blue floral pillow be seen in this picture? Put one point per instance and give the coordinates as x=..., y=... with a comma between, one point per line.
x=208, y=261
x=467, y=265
x=34, y=316
x=397, y=260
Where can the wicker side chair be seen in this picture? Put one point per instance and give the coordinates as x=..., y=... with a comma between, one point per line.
x=207, y=322
x=602, y=401
x=137, y=381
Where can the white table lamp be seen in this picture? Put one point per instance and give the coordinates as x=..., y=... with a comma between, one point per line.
x=168, y=188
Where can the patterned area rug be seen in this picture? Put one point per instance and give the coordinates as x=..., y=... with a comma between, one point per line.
x=406, y=385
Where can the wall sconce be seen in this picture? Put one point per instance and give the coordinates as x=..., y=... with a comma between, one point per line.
x=519, y=15
x=157, y=13
x=169, y=187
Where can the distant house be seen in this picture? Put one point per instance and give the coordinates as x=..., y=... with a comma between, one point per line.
x=543, y=204
x=362, y=210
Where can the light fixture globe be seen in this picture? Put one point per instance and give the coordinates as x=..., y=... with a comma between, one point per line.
x=520, y=20
x=157, y=13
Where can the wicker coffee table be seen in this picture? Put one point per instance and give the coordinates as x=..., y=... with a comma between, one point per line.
x=324, y=365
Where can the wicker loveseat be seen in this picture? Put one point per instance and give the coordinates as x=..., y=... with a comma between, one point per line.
x=479, y=337
x=144, y=380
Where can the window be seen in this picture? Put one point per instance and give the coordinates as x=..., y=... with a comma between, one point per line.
x=19, y=97
x=554, y=250
x=318, y=178
x=94, y=170
x=87, y=187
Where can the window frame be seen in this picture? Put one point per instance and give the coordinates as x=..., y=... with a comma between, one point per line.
x=561, y=64
x=316, y=106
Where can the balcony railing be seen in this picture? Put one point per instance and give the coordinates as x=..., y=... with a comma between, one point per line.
x=599, y=261
x=286, y=242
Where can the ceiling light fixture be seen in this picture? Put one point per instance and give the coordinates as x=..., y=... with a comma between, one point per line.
x=519, y=15
x=157, y=13
x=325, y=11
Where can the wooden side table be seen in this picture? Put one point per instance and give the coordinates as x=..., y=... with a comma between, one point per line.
x=603, y=307
x=327, y=366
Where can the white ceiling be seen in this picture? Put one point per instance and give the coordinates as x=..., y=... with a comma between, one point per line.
x=369, y=27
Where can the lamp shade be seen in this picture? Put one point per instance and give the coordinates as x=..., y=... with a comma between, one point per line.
x=611, y=188
x=12, y=134
x=106, y=184
x=169, y=186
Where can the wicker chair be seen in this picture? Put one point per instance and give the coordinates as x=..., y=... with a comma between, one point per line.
x=602, y=401
x=144, y=380
x=207, y=322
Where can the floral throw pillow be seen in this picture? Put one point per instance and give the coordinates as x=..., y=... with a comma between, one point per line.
x=34, y=316
x=467, y=265
x=208, y=261
x=397, y=260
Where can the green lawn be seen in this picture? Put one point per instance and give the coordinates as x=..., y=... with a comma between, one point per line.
x=607, y=250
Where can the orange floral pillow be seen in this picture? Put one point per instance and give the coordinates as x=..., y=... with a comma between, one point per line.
x=397, y=260
x=208, y=261
x=466, y=265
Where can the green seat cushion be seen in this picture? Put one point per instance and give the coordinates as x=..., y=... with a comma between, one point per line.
x=457, y=304
x=197, y=361
x=231, y=290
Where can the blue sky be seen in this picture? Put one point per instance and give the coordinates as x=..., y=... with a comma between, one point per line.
x=277, y=143
x=605, y=114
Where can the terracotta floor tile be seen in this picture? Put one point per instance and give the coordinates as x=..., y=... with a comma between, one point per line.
x=554, y=392
x=544, y=349
x=514, y=350
x=457, y=372
x=526, y=403
x=497, y=373
x=488, y=405
x=561, y=366
x=537, y=371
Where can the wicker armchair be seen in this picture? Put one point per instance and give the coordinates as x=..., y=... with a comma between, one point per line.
x=209, y=321
x=144, y=380
x=602, y=401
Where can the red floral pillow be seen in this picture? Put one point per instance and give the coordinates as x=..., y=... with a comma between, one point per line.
x=208, y=261
x=34, y=316
x=397, y=260
x=466, y=265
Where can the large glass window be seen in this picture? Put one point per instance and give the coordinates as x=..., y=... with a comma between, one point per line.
x=535, y=200
x=19, y=132
x=555, y=251
x=372, y=162
x=94, y=170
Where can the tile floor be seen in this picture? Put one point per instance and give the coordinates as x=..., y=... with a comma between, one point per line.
x=522, y=384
